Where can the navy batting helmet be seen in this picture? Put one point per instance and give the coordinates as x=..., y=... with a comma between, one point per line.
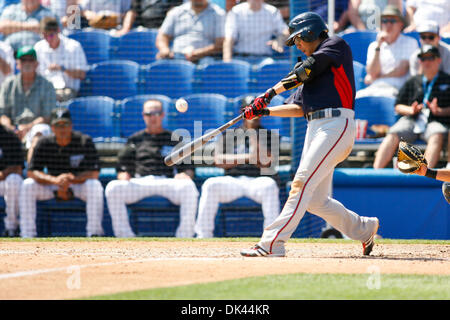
x=308, y=26
x=446, y=191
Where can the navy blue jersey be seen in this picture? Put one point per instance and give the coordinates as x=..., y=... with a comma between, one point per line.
x=332, y=81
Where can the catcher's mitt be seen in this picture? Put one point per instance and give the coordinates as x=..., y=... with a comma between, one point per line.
x=410, y=158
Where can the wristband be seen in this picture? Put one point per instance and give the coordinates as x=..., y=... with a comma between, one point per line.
x=431, y=173
x=63, y=68
x=270, y=94
x=377, y=49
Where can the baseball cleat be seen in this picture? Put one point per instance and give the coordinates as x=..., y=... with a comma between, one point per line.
x=257, y=251
x=368, y=245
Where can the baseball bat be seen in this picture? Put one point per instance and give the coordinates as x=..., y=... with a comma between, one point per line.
x=177, y=155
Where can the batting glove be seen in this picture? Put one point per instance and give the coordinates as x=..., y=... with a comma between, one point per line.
x=250, y=112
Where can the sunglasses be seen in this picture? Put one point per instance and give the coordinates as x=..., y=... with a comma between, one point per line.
x=153, y=113
x=429, y=58
x=425, y=37
x=389, y=20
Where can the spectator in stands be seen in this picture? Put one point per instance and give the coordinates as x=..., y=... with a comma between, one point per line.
x=423, y=102
x=104, y=14
x=61, y=60
x=7, y=63
x=142, y=173
x=365, y=14
x=197, y=30
x=252, y=30
x=5, y=3
x=19, y=23
x=243, y=153
x=431, y=10
x=72, y=171
x=146, y=13
x=388, y=57
x=11, y=165
x=429, y=34
x=26, y=99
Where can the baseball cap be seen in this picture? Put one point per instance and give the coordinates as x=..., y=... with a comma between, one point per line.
x=60, y=114
x=429, y=49
x=26, y=51
x=391, y=10
x=428, y=26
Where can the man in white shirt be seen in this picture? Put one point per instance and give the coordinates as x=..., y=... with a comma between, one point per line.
x=429, y=34
x=387, y=63
x=7, y=63
x=61, y=60
x=252, y=30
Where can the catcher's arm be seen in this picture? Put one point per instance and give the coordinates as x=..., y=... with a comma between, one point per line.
x=438, y=174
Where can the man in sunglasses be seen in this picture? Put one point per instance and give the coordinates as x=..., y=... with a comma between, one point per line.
x=387, y=63
x=429, y=34
x=424, y=103
x=62, y=60
x=142, y=173
x=73, y=167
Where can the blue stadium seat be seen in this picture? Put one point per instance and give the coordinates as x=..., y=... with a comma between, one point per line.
x=227, y=78
x=172, y=78
x=208, y=108
x=137, y=46
x=376, y=110
x=96, y=45
x=267, y=75
x=360, y=72
x=359, y=43
x=93, y=116
x=117, y=79
x=131, y=119
x=446, y=40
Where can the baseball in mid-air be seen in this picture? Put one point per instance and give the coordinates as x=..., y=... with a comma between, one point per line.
x=181, y=105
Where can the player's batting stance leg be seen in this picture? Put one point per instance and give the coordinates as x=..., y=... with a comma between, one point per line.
x=326, y=100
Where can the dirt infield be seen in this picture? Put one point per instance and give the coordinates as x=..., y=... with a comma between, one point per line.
x=74, y=269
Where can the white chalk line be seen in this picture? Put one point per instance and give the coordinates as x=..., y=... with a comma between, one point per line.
x=27, y=273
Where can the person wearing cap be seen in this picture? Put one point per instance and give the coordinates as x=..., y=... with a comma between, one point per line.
x=26, y=99
x=72, y=169
x=62, y=60
x=387, y=63
x=325, y=97
x=429, y=34
x=19, y=23
x=248, y=155
x=424, y=104
x=244, y=41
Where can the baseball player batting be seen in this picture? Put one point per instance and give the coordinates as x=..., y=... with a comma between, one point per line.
x=326, y=100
